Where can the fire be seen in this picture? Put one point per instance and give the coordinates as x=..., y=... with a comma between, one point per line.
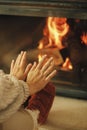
x=39, y=57
x=41, y=45
x=67, y=64
x=84, y=38
x=55, y=29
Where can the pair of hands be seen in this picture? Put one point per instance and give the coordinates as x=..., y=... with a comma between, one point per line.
x=36, y=75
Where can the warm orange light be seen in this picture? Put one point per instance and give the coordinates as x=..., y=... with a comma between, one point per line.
x=39, y=57
x=56, y=28
x=54, y=31
x=40, y=45
x=67, y=64
x=84, y=38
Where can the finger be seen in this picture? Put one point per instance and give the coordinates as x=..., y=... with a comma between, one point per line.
x=51, y=75
x=40, y=64
x=46, y=65
x=33, y=66
x=23, y=60
x=12, y=65
x=49, y=69
x=17, y=62
x=27, y=69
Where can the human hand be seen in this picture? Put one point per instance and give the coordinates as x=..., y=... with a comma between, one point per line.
x=40, y=74
x=19, y=67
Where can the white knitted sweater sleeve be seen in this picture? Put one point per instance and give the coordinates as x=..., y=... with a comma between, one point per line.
x=13, y=93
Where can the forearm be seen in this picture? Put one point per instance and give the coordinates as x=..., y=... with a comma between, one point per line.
x=13, y=93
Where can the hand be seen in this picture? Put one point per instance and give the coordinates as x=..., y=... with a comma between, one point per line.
x=19, y=68
x=40, y=74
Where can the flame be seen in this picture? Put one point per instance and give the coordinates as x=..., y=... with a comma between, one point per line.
x=67, y=64
x=40, y=45
x=39, y=57
x=55, y=29
x=84, y=38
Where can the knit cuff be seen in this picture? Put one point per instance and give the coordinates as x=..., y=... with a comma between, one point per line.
x=26, y=89
x=23, y=86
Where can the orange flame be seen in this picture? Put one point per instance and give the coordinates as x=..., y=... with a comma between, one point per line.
x=39, y=57
x=40, y=45
x=55, y=29
x=67, y=64
x=84, y=38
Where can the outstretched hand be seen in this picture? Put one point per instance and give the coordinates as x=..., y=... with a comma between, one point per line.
x=40, y=74
x=36, y=75
x=19, y=67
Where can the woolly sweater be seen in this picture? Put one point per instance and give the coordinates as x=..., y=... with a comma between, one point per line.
x=13, y=93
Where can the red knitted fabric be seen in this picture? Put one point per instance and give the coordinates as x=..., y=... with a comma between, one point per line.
x=42, y=101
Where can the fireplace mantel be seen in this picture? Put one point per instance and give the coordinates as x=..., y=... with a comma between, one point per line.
x=44, y=8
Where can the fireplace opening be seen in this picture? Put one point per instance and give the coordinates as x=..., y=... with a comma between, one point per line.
x=63, y=38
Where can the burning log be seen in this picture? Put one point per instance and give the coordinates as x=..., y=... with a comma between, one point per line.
x=51, y=52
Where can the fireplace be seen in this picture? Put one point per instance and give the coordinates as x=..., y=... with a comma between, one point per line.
x=22, y=25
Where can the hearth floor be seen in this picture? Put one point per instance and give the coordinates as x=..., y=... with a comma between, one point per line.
x=67, y=114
